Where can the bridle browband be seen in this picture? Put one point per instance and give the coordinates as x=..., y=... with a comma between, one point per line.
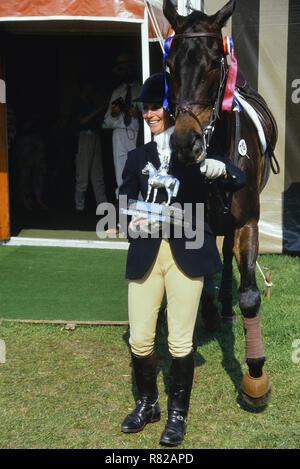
x=186, y=105
x=179, y=36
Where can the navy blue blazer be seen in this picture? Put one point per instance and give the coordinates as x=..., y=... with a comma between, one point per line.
x=193, y=188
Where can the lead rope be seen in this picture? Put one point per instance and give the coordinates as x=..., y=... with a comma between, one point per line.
x=268, y=284
x=267, y=279
x=155, y=24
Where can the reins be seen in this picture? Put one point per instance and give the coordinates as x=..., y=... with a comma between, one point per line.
x=186, y=107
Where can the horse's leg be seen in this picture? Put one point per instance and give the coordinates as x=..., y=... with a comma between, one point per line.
x=255, y=385
x=176, y=187
x=209, y=311
x=148, y=193
x=210, y=315
x=225, y=293
x=169, y=192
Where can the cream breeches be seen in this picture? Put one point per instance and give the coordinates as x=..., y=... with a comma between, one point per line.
x=144, y=300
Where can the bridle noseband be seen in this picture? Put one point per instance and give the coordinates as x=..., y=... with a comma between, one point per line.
x=186, y=106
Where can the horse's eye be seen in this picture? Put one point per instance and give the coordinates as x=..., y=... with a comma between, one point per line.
x=191, y=56
x=215, y=64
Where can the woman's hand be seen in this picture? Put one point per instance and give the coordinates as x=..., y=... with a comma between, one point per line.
x=134, y=112
x=140, y=224
x=212, y=169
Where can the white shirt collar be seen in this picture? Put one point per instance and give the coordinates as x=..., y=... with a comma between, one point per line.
x=162, y=141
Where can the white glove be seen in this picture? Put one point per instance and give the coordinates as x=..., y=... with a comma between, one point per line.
x=212, y=169
x=140, y=224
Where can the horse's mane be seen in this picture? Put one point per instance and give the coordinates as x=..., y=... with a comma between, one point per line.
x=196, y=16
x=193, y=19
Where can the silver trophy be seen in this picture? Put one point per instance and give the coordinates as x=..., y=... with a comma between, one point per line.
x=158, y=179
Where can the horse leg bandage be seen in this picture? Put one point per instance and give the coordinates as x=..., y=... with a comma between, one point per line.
x=254, y=348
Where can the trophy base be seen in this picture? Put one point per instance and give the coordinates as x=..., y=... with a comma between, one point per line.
x=153, y=211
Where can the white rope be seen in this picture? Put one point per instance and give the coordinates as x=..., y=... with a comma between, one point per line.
x=154, y=22
x=158, y=31
x=268, y=284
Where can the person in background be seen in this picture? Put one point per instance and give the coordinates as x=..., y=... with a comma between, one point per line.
x=86, y=116
x=122, y=115
x=30, y=153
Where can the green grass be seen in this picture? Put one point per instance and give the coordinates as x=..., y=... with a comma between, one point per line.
x=72, y=389
x=62, y=283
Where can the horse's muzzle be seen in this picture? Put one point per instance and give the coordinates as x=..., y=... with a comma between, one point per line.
x=189, y=148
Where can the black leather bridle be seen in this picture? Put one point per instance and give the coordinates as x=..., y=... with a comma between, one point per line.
x=186, y=106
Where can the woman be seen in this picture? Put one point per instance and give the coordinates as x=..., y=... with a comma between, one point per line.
x=156, y=264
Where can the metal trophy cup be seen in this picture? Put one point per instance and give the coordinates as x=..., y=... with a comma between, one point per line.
x=164, y=213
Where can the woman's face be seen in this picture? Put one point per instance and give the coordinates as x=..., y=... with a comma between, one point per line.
x=156, y=117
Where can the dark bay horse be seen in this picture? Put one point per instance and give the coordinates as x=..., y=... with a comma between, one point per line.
x=198, y=72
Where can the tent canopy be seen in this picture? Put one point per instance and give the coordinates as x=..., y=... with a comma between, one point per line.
x=114, y=16
x=130, y=9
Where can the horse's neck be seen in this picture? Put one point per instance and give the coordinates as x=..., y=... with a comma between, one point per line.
x=151, y=169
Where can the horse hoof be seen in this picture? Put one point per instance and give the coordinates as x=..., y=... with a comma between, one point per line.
x=256, y=391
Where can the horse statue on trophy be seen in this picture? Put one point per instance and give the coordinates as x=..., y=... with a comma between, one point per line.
x=159, y=178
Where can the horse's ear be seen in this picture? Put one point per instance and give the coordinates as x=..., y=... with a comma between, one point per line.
x=171, y=14
x=225, y=13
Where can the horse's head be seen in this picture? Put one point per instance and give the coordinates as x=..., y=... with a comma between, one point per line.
x=149, y=168
x=196, y=61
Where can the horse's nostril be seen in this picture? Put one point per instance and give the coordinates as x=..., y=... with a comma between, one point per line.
x=197, y=146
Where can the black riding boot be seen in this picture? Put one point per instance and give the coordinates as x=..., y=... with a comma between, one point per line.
x=182, y=370
x=147, y=409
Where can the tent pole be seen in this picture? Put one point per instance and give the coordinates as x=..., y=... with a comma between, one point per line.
x=145, y=63
x=196, y=4
x=4, y=201
x=181, y=8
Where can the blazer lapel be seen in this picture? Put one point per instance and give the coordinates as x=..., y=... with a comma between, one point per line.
x=151, y=154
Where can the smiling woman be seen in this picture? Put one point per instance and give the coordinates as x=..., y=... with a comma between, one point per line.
x=156, y=117
x=158, y=262
x=151, y=97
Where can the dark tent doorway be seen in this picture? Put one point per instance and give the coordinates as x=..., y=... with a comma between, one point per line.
x=43, y=77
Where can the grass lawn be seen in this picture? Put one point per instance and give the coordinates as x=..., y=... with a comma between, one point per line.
x=72, y=389
x=62, y=283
